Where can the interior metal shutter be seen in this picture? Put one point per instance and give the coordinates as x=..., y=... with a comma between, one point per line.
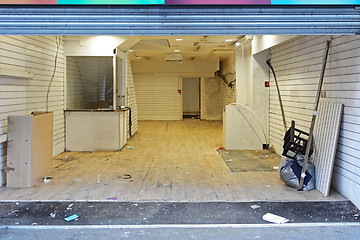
x=179, y=20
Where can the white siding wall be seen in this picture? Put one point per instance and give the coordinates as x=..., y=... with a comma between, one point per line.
x=157, y=84
x=297, y=64
x=213, y=91
x=230, y=93
x=157, y=97
x=75, y=94
x=20, y=96
x=131, y=100
x=89, y=79
x=229, y=71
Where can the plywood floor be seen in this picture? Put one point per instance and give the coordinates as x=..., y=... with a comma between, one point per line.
x=167, y=161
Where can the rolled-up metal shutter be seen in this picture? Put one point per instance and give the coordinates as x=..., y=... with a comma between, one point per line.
x=178, y=20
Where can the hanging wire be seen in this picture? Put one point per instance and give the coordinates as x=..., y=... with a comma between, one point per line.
x=57, y=40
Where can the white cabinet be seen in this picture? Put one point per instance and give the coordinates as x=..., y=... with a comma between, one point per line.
x=29, y=148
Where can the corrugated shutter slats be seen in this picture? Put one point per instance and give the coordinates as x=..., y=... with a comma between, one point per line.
x=179, y=20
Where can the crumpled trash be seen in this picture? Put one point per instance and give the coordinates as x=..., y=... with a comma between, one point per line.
x=290, y=172
x=274, y=218
x=112, y=198
x=69, y=207
x=47, y=179
x=254, y=206
x=126, y=176
x=72, y=217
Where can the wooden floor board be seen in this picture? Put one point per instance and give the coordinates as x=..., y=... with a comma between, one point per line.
x=167, y=161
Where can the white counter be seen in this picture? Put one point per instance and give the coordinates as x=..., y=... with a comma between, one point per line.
x=95, y=130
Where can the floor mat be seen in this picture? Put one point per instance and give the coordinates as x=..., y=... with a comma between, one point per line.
x=250, y=160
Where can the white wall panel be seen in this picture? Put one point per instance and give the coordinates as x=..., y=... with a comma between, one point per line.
x=297, y=64
x=20, y=96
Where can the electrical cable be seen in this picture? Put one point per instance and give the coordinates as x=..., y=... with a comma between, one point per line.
x=268, y=62
x=53, y=74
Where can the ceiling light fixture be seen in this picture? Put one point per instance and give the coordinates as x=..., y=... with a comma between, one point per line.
x=138, y=57
x=178, y=39
x=230, y=40
x=176, y=50
x=130, y=50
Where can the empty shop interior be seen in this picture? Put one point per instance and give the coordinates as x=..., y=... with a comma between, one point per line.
x=140, y=118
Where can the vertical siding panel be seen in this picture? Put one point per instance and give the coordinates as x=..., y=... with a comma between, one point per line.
x=230, y=93
x=297, y=64
x=75, y=97
x=21, y=96
x=131, y=100
x=214, y=97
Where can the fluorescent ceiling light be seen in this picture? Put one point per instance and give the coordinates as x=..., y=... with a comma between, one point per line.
x=176, y=50
x=130, y=50
x=138, y=57
x=230, y=40
x=178, y=39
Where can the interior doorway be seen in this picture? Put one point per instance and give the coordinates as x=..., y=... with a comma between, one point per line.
x=191, y=97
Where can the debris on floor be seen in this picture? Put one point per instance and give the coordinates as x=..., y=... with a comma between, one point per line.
x=98, y=179
x=47, y=179
x=71, y=218
x=126, y=176
x=160, y=185
x=129, y=147
x=13, y=212
x=254, y=206
x=112, y=198
x=249, y=160
x=52, y=215
x=69, y=207
x=67, y=158
x=274, y=218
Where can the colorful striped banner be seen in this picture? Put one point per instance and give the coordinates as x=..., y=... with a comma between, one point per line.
x=184, y=2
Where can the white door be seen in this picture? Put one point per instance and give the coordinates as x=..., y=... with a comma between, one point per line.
x=191, y=96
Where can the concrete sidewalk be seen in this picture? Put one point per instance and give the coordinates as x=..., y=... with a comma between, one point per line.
x=292, y=231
